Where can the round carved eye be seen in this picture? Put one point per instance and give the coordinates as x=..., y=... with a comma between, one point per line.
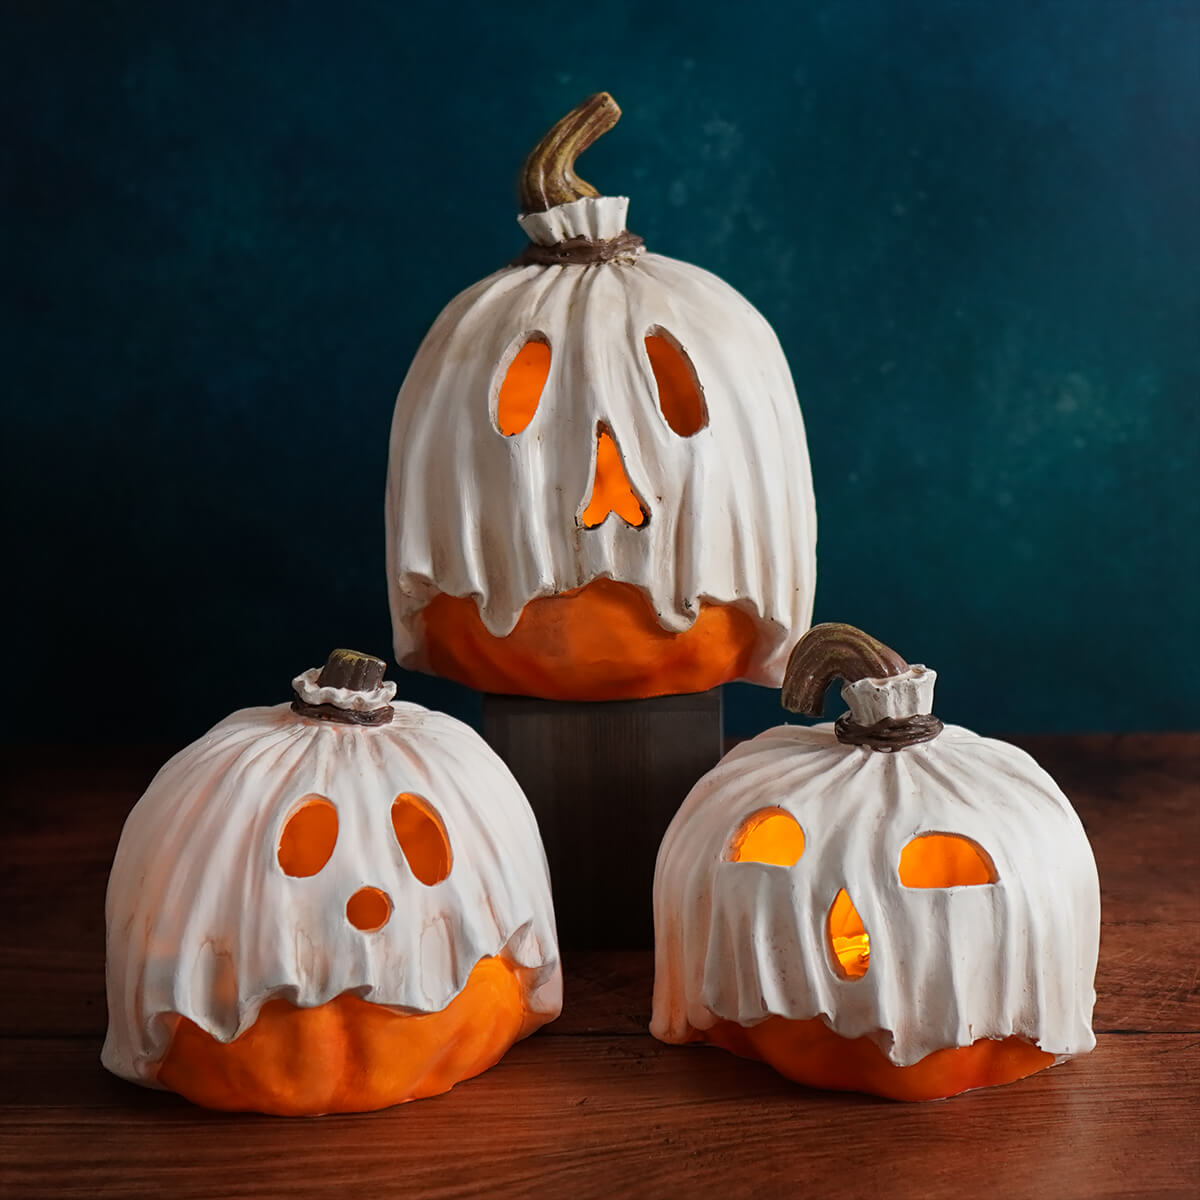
x=940, y=860
x=520, y=389
x=308, y=837
x=680, y=395
x=767, y=836
x=422, y=837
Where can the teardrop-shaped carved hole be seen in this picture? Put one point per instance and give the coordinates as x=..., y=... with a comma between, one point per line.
x=680, y=395
x=422, y=837
x=308, y=838
x=521, y=389
x=611, y=489
x=937, y=860
x=767, y=836
x=849, y=942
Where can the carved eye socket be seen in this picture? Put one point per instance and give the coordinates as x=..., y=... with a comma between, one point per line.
x=767, y=836
x=520, y=387
x=680, y=395
x=939, y=860
x=309, y=836
x=422, y=837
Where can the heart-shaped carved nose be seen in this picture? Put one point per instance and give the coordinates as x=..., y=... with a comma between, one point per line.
x=611, y=489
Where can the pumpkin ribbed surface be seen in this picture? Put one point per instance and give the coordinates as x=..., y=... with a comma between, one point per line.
x=349, y=1055
x=599, y=642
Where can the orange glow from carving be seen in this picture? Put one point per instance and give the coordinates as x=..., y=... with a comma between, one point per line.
x=308, y=838
x=679, y=394
x=768, y=836
x=350, y=1055
x=847, y=938
x=422, y=837
x=611, y=491
x=368, y=909
x=599, y=642
x=522, y=387
x=937, y=860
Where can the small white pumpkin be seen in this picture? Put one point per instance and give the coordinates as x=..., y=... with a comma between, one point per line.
x=912, y=923
x=337, y=904
x=655, y=445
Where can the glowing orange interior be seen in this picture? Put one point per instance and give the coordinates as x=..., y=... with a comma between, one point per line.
x=368, y=909
x=809, y=1052
x=848, y=939
x=350, y=1055
x=936, y=860
x=309, y=836
x=679, y=394
x=599, y=642
x=422, y=837
x=522, y=387
x=768, y=836
x=611, y=490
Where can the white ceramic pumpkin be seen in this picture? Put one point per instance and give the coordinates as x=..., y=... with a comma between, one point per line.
x=332, y=905
x=598, y=484
x=885, y=905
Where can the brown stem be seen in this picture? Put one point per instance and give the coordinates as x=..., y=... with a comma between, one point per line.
x=548, y=177
x=356, y=671
x=352, y=669
x=828, y=652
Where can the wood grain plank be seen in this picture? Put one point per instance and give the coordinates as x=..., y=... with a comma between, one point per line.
x=618, y=1117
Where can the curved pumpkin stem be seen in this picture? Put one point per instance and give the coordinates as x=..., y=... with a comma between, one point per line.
x=833, y=651
x=548, y=177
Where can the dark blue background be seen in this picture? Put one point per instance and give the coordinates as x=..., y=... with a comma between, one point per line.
x=976, y=228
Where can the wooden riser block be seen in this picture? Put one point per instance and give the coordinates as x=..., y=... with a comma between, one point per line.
x=604, y=780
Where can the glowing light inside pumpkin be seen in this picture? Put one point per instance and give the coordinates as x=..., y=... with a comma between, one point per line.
x=369, y=909
x=521, y=390
x=308, y=838
x=768, y=836
x=422, y=837
x=611, y=491
x=680, y=395
x=848, y=939
x=937, y=860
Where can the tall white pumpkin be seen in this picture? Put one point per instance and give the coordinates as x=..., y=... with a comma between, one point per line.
x=727, y=517
x=925, y=888
x=208, y=922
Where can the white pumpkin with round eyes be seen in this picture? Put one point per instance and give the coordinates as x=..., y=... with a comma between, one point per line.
x=716, y=505
x=280, y=857
x=1009, y=952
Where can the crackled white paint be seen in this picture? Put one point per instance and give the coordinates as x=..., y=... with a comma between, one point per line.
x=471, y=512
x=203, y=922
x=743, y=941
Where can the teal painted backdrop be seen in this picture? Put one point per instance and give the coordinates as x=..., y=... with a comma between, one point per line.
x=976, y=228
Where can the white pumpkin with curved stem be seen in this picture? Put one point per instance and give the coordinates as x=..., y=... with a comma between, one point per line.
x=932, y=961
x=208, y=923
x=726, y=520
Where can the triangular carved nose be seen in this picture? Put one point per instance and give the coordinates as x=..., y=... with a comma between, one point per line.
x=611, y=489
x=848, y=940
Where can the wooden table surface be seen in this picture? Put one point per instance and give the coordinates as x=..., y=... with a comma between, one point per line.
x=592, y=1105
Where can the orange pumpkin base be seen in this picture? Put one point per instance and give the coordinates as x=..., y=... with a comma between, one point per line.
x=598, y=642
x=809, y=1052
x=350, y=1055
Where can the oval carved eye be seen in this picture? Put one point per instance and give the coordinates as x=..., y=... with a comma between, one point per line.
x=308, y=838
x=521, y=388
x=767, y=836
x=940, y=860
x=422, y=837
x=680, y=395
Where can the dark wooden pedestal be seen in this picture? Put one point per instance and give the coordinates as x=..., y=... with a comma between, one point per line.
x=604, y=780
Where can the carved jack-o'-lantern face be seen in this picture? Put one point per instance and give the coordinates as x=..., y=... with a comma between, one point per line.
x=333, y=906
x=598, y=481
x=912, y=923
